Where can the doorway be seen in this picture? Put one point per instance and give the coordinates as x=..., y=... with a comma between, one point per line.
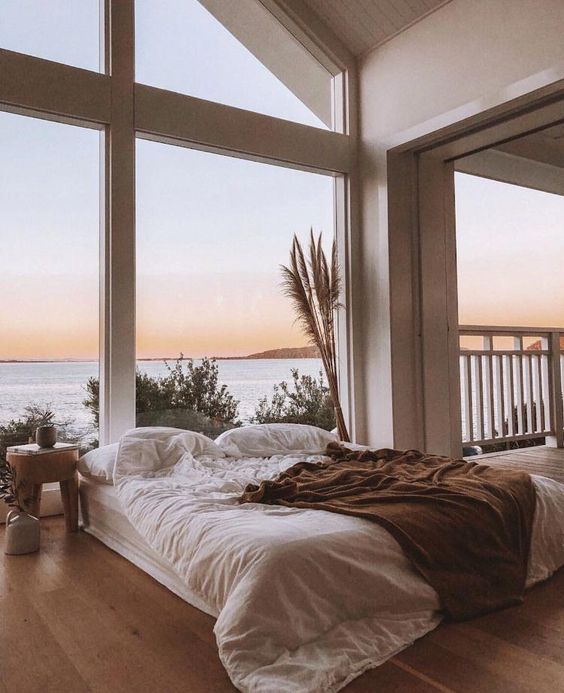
x=425, y=333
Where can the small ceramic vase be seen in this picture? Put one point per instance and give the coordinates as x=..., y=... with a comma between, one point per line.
x=46, y=436
x=22, y=533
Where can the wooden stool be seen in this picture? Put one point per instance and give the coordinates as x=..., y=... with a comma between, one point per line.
x=46, y=467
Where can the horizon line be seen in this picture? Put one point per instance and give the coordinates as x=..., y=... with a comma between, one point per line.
x=165, y=358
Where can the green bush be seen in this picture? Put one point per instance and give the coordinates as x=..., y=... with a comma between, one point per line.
x=18, y=431
x=189, y=396
x=307, y=402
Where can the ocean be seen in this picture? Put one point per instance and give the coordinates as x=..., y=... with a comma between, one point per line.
x=61, y=386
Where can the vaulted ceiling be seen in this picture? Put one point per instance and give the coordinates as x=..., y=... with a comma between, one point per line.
x=364, y=24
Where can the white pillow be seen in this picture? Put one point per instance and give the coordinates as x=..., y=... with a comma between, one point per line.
x=266, y=440
x=155, y=448
x=188, y=441
x=99, y=464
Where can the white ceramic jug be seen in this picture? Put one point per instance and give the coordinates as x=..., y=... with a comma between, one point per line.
x=22, y=533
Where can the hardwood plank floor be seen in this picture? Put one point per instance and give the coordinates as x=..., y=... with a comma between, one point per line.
x=78, y=617
x=540, y=460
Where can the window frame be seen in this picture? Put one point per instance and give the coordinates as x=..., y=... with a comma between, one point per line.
x=113, y=102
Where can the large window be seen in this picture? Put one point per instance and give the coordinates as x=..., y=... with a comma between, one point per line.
x=200, y=239
x=238, y=58
x=212, y=232
x=66, y=31
x=49, y=225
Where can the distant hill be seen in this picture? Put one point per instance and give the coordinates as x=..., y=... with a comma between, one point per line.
x=306, y=352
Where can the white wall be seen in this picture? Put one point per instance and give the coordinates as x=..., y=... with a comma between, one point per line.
x=467, y=57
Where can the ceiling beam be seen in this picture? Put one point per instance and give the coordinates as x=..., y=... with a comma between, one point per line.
x=313, y=33
x=517, y=170
x=279, y=51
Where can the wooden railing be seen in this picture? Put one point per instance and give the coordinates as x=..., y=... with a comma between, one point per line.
x=511, y=384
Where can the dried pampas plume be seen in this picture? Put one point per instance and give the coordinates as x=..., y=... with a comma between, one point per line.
x=313, y=284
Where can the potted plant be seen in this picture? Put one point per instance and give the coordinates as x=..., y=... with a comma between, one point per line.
x=22, y=529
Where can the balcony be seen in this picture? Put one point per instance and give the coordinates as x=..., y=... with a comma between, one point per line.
x=511, y=386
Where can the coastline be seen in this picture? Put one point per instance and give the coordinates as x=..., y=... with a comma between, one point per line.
x=285, y=353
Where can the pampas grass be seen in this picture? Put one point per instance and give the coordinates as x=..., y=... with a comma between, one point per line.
x=313, y=284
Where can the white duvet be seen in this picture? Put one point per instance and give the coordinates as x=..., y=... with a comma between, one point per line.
x=306, y=600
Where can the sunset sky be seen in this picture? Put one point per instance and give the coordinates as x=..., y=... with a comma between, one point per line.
x=510, y=251
x=211, y=230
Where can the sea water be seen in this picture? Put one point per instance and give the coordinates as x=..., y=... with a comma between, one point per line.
x=61, y=385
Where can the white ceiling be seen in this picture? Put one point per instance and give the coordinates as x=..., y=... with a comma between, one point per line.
x=533, y=161
x=545, y=146
x=364, y=24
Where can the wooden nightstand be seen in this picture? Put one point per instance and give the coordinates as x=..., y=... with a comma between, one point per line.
x=37, y=466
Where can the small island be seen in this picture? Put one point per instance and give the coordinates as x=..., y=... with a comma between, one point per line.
x=305, y=352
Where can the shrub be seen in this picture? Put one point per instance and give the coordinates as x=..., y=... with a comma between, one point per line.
x=306, y=401
x=187, y=396
x=18, y=431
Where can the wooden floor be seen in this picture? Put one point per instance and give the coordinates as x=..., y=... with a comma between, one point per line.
x=78, y=617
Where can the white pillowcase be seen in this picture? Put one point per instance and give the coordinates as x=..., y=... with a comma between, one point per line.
x=153, y=448
x=266, y=440
x=190, y=441
x=99, y=464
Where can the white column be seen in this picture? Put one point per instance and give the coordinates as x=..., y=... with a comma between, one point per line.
x=557, y=423
x=439, y=307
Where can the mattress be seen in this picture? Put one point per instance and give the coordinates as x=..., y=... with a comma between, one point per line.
x=103, y=518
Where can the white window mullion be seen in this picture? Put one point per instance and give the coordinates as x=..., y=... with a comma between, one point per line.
x=117, y=371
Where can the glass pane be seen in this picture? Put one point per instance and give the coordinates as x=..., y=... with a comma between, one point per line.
x=471, y=342
x=531, y=343
x=510, y=343
x=509, y=245
x=239, y=56
x=212, y=232
x=49, y=231
x=66, y=31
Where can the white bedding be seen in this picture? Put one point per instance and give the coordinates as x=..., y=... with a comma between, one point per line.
x=102, y=516
x=306, y=600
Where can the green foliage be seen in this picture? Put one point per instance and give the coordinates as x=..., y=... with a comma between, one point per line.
x=306, y=401
x=189, y=396
x=8, y=491
x=92, y=401
x=18, y=431
x=15, y=493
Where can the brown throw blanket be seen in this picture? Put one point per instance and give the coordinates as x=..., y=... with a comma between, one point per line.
x=465, y=526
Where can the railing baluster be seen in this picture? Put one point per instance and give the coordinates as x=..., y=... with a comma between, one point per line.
x=512, y=394
x=503, y=414
x=490, y=378
x=466, y=410
x=538, y=395
x=498, y=421
x=470, y=402
x=520, y=396
x=546, y=403
x=529, y=388
x=480, y=397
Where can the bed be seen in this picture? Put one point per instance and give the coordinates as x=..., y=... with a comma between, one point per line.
x=305, y=600
x=102, y=516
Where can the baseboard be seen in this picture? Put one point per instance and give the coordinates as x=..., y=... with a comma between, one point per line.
x=50, y=503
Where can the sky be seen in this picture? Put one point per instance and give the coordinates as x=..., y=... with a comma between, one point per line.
x=211, y=230
x=510, y=253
